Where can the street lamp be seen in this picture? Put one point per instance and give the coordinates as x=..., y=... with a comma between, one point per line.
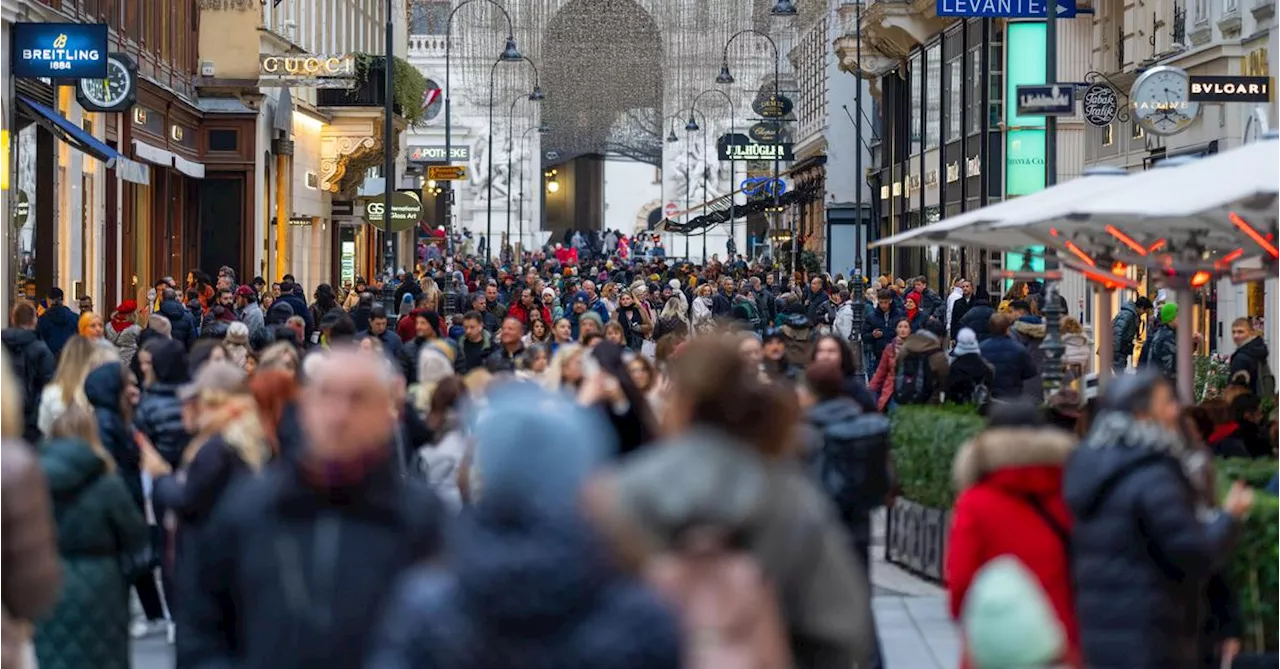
x=733, y=173
x=534, y=96
x=488, y=207
x=692, y=126
x=781, y=8
x=523, y=136
x=509, y=53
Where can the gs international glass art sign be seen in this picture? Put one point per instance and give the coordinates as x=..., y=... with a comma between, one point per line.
x=59, y=50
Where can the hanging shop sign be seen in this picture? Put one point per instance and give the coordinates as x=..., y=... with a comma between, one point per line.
x=21, y=209
x=1046, y=100
x=765, y=132
x=435, y=154
x=1100, y=105
x=740, y=147
x=58, y=50
x=1230, y=89
x=315, y=71
x=447, y=172
x=301, y=221
x=763, y=186
x=772, y=105
x=406, y=211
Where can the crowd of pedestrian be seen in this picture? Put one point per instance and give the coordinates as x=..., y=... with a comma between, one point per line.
x=587, y=459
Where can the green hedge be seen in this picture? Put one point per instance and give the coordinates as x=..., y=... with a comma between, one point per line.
x=925, y=441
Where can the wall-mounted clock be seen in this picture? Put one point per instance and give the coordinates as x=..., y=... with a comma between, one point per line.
x=115, y=93
x=1161, y=100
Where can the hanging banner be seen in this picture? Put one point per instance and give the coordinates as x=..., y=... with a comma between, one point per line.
x=59, y=50
x=406, y=211
x=772, y=105
x=1100, y=105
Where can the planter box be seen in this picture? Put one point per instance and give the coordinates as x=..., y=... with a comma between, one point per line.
x=916, y=538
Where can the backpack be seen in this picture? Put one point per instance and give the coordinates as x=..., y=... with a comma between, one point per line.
x=753, y=314
x=913, y=383
x=728, y=609
x=853, y=464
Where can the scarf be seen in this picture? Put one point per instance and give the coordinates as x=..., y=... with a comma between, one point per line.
x=120, y=324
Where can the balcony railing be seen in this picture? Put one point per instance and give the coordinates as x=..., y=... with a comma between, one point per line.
x=1120, y=49
x=1180, y=24
x=426, y=46
x=369, y=92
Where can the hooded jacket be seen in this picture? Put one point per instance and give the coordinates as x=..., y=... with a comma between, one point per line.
x=1124, y=330
x=977, y=318
x=56, y=326
x=104, y=388
x=850, y=459
x=1030, y=331
x=98, y=524
x=927, y=344
x=182, y=323
x=797, y=333
x=965, y=374
x=1013, y=366
x=1249, y=365
x=1141, y=556
x=1010, y=479
x=510, y=601
x=1161, y=351
x=791, y=527
x=33, y=363
x=159, y=414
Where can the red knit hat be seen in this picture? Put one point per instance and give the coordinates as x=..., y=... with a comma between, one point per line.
x=127, y=307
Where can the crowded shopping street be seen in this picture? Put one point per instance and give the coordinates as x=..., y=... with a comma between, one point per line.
x=639, y=334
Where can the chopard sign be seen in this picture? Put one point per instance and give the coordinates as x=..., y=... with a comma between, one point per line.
x=1230, y=89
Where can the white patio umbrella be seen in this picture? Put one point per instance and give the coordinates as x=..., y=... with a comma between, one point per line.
x=1193, y=198
x=994, y=226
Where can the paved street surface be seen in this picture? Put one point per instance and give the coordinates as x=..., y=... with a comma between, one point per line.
x=915, y=630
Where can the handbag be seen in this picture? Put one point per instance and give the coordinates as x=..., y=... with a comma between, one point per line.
x=136, y=564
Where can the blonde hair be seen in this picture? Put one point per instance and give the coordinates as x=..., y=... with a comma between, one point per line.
x=273, y=356
x=553, y=378
x=1071, y=326
x=10, y=401
x=78, y=422
x=79, y=357
x=477, y=381
x=234, y=417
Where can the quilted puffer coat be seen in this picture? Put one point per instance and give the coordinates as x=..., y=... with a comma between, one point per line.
x=97, y=524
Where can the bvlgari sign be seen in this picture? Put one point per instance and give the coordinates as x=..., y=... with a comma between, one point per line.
x=318, y=71
x=1230, y=89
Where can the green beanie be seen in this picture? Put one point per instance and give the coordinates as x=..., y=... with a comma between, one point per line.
x=1168, y=312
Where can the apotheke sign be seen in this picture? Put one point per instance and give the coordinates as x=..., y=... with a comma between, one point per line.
x=1230, y=89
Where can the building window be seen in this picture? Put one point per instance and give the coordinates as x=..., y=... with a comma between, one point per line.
x=1137, y=131
x=933, y=96
x=915, y=79
x=975, y=90
x=955, y=80
x=1108, y=134
x=995, y=64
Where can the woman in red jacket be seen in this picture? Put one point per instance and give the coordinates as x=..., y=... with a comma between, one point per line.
x=882, y=381
x=1010, y=478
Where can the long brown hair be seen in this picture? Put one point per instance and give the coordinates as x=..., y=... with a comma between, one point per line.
x=721, y=389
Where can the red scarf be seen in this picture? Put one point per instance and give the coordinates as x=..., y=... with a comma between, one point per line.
x=120, y=325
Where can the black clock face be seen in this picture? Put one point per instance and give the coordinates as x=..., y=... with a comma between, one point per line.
x=112, y=93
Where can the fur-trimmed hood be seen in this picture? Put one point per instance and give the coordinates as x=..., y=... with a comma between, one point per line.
x=1010, y=448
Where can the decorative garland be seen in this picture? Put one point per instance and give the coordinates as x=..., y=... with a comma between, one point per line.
x=408, y=85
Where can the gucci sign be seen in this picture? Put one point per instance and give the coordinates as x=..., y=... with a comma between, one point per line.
x=296, y=69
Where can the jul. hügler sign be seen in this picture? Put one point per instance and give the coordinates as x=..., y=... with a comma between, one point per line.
x=1230, y=89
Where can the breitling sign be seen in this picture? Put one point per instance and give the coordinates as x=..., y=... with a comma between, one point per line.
x=305, y=70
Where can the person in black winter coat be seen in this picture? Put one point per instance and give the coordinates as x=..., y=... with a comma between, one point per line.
x=363, y=312
x=275, y=320
x=378, y=329
x=507, y=599
x=58, y=323
x=968, y=371
x=159, y=414
x=1012, y=363
x=105, y=388
x=816, y=301
x=184, y=328
x=1141, y=554
x=32, y=362
x=424, y=323
x=880, y=320
x=1161, y=350
x=978, y=316
x=1248, y=366
x=1124, y=330
x=290, y=568
x=289, y=295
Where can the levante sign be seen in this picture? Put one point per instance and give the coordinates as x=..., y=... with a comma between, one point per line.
x=1230, y=89
x=59, y=50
